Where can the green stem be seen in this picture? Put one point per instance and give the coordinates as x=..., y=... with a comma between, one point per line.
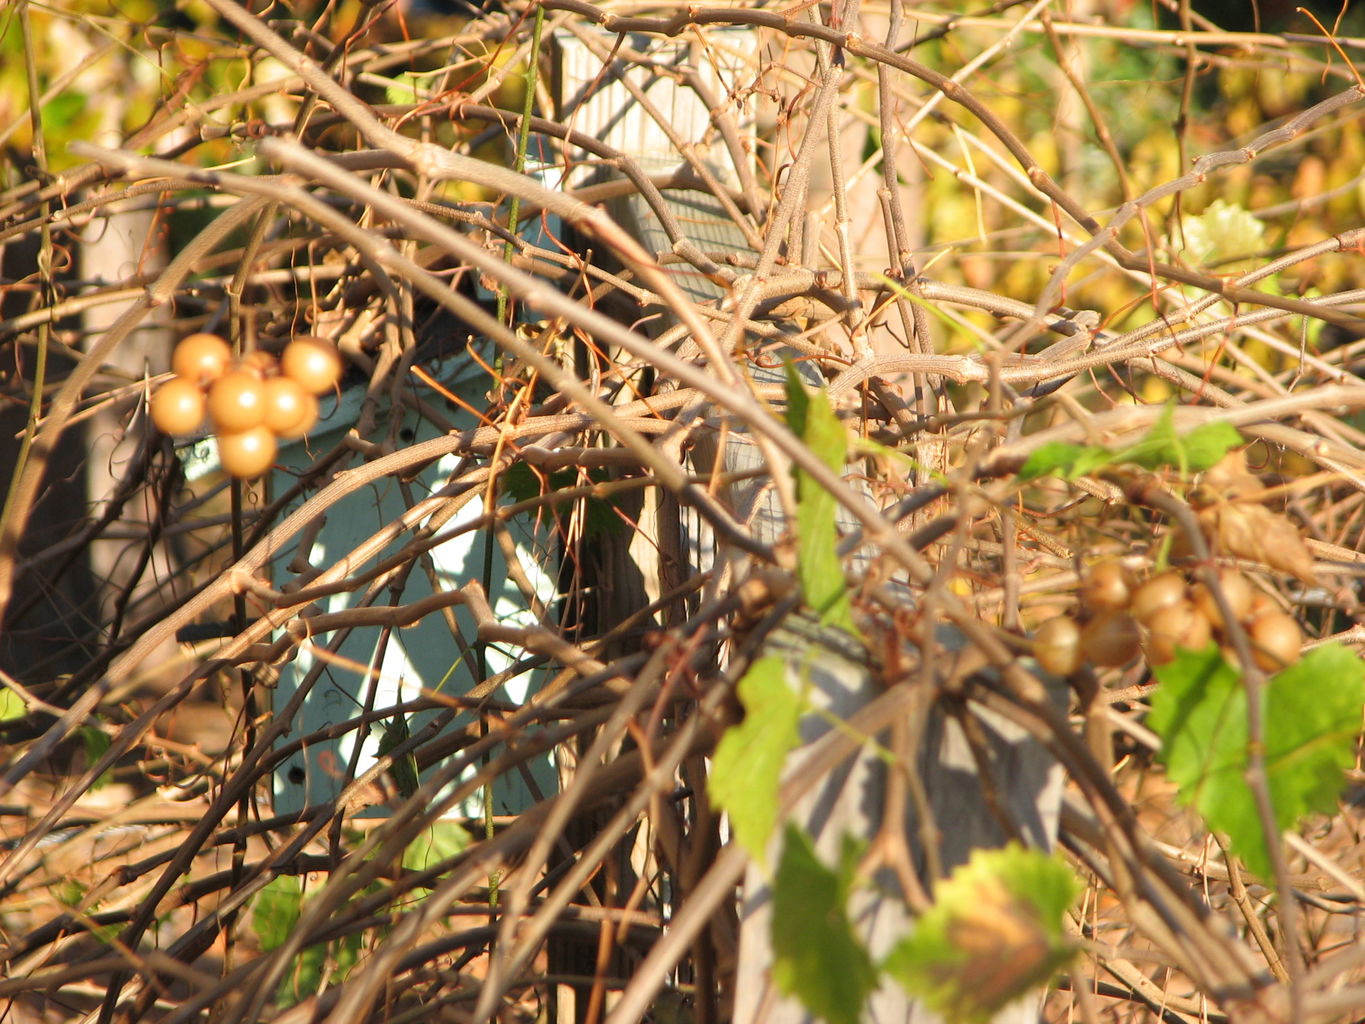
x=46, y=289
x=523, y=140
x=505, y=316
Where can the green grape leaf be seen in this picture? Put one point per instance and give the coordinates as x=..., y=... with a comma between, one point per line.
x=1205, y=445
x=1310, y=722
x=1199, y=449
x=601, y=519
x=520, y=482
x=441, y=842
x=276, y=911
x=821, y=573
x=816, y=954
x=1058, y=458
x=1193, y=452
x=406, y=87
x=69, y=893
x=274, y=915
x=993, y=934
x=746, y=771
x=306, y=973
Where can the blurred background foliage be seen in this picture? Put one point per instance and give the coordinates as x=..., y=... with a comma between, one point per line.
x=107, y=71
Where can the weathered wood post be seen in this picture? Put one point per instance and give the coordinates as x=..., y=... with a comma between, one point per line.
x=623, y=105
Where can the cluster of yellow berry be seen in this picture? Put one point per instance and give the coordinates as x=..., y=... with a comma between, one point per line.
x=1118, y=618
x=252, y=401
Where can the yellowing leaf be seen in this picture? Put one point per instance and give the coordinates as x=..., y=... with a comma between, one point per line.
x=993, y=933
x=12, y=706
x=1223, y=231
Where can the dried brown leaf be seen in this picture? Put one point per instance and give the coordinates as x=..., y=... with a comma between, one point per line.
x=1256, y=533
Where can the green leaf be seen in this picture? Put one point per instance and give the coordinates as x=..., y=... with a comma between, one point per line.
x=993, y=934
x=816, y=955
x=304, y=976
x=69, y=893
x=1197, y=450
x=520, y=483
x=1201, y=448
x=1158, y=447
x=441, y=842
x=601, y=519
x=1310, y=722
x=1206, y=444
x=746, y=771
x=12, y=706
x=819, y=569
x=276, y=910
x=274, y=915
x=1057, y=458
x=96, y=742
x=407, y=87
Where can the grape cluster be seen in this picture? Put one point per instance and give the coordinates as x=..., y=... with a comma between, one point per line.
x=1120, y=618
x=252, y=401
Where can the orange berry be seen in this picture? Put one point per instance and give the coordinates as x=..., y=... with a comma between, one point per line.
x=290, y=411
x=314, y=362
x=1180, y=625
x=237, y=401
x=201, y=358
x=178, y=406
x=247, y=453
x=1276, y=640
x=1159, y=592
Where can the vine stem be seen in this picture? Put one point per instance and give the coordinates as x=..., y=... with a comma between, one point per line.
x=14, y=508
x=505, y=316
x=523, y=141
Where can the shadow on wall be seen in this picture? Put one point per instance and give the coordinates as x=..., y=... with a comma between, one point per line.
x=49, y=619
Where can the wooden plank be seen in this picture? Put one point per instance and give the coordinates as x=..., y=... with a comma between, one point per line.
x=852, y=799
